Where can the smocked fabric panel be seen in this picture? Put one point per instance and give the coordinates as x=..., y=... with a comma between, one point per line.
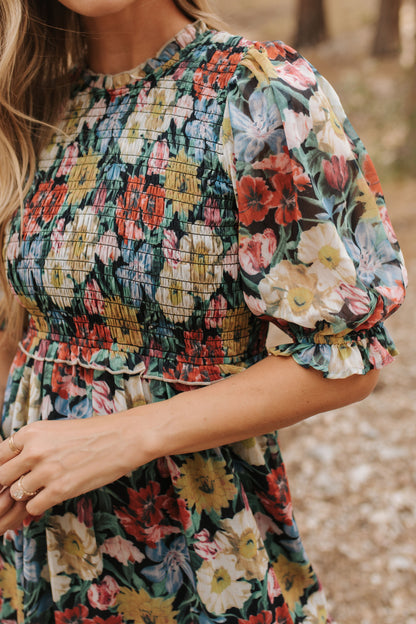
x=129, y=234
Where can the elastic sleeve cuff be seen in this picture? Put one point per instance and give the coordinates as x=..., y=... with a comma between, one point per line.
x=338, y=357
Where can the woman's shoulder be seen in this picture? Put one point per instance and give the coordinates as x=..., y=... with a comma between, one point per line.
x=240, y=57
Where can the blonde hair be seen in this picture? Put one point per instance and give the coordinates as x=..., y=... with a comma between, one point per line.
x=40, y=43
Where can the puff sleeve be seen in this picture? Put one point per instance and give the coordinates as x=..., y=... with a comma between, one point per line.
x=318, y=255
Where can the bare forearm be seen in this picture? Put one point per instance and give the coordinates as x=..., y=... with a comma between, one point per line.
x=65, y=458
x=273, y=394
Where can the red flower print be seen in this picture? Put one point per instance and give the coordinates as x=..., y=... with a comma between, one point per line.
x=273, y=587
x=285, y=199
x=128, y=209
x=69, y=160
x=159, y=158
x=254, y=199
x=100, y=198
x=387, y=224
x=376, y=316
x=149, y=515
x=282, y=615
x=298, y=74
x=356, y=299
x=84, y=511
x=277, y=500
x=103, y=595
x=265, y=617
x=152, y=204
x=44, y=204
x=283, y=164
x=221, y=67
x=184, y=514
x=64, y=383
x=371, y=176
x=256, y=253
x=77, y=615
x=212, y=213
x=93, y=298
x=198, y=352
x=216, y=312
x=336, y=172
x=276, y=50
x=201, y=83
x=218, y=71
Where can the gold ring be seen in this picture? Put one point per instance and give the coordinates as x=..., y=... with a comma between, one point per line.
x=13, y=446
x=20, y=493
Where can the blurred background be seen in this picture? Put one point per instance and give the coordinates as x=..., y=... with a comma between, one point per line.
x=353, y=471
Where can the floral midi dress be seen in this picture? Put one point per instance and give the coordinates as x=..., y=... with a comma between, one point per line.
x=177, y=211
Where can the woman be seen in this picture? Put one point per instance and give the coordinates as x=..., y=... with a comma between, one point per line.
x=171, y=213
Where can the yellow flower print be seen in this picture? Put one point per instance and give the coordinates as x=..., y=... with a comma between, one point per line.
x=235, y=330
x=315, y=609
x=57, y=283
x=220, y=586
x=75, y=118
x=140, y=608
x=291, y=292
x=240, y=537
x=251, y=450
x=174, y=298
x=328, y=126
x=131, y=140
x=321, y=246
x=10, y=590
x=129, y=331
x=201, y=250
x=72, y=548
x=205, y=485
x=182, y=184
x=293, y=579
x=259, y=65
x=79, y=242
x=158, y=111
x=82, y=177
x=366, y=197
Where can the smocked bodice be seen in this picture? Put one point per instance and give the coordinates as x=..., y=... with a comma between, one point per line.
x=130, y=243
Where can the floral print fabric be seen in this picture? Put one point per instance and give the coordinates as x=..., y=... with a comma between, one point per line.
x=178, y=210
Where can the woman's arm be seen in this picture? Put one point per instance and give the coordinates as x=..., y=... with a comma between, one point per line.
x=66, y=458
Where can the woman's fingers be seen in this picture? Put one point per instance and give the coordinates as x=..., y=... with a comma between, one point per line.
x=6, y=502
x=20, y=492
x=10, y=448
x=15, y=514
x=12, y=469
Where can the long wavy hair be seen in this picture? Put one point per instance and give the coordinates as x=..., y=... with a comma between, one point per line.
x=40, y=43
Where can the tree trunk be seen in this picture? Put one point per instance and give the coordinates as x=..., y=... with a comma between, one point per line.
x=311, y=23
x=387, y=39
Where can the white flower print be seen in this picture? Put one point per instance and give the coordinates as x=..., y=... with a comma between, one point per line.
x=322, y=247
x=220, y=586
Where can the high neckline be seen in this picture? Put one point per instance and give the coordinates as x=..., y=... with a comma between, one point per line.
x=165, y=55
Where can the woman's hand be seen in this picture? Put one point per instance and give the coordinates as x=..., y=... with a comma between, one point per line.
x=61, y=459
x=12, y=513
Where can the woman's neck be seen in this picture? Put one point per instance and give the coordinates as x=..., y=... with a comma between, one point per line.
x=121, y=41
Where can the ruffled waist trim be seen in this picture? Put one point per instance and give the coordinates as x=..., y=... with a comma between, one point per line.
x=174, y=368
x=113, y=361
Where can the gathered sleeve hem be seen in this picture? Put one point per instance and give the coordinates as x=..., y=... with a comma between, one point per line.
x=342, y=355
